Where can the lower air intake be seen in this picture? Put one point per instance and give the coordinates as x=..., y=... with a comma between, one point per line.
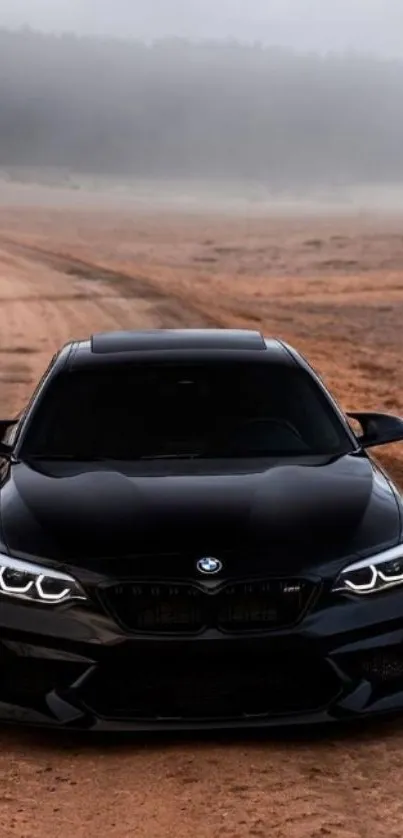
x=380, y=666
x=201, y=688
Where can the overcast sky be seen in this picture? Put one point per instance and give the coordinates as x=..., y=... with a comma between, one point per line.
x=365, y=25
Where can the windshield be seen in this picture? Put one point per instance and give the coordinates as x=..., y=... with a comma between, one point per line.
x=209, y=410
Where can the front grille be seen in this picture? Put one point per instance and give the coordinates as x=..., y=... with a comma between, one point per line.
x=203, y=688
x=175, y=608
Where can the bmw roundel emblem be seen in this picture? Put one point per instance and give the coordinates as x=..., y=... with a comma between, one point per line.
x=209, y=565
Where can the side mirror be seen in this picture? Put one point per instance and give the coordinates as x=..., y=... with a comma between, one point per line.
x=6, y=424
x=5, y=450
x=378, y=428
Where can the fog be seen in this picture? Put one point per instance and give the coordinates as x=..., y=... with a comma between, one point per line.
x=218, y=111
x=320, y=25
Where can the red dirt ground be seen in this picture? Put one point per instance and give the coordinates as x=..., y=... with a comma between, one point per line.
x=334, y=288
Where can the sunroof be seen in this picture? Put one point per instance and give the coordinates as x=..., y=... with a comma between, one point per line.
x=186, y=339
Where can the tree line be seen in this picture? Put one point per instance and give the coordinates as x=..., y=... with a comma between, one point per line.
x=181, y=109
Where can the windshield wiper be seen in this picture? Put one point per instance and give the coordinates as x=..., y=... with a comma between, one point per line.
x=169, y=456
x=73, y=457
x=207, y=455
x=90, y=458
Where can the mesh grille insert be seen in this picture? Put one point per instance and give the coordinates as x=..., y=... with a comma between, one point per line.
x=169, y=607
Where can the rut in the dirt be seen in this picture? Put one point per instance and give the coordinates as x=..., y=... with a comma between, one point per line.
x=172, y=311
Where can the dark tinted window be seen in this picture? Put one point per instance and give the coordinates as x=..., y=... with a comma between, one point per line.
x=212, y=410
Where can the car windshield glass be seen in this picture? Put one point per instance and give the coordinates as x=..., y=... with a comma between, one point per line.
x=206, y=410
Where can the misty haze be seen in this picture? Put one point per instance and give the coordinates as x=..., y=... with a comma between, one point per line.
x=203, y=113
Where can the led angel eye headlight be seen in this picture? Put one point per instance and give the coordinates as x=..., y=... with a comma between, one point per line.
x=25, y=581
x=373, y=575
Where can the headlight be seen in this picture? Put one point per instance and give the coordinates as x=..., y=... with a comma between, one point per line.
x=373, y=575
x=33, y=583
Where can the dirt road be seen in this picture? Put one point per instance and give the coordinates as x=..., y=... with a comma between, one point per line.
x=53, y=288
x=46, y=300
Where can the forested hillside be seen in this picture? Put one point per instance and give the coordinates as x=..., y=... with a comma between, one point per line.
x=213, y=109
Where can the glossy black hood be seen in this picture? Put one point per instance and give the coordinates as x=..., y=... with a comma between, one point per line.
x=295, y=512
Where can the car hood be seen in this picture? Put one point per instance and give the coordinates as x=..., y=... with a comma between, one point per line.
x=296, y=511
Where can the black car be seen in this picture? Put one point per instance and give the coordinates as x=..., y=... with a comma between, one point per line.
x=192, y=536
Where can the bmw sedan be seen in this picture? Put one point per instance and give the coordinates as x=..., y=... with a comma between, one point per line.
x=192, y=535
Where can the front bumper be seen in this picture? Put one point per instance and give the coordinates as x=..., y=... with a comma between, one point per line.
x=74, y=667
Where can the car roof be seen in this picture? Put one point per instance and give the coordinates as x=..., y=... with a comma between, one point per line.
x=177, y=345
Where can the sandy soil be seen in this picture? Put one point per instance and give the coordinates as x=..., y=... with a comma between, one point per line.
x=332, y=286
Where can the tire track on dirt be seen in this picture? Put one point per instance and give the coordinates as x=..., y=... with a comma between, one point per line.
x=47, y=299
x=171, y=310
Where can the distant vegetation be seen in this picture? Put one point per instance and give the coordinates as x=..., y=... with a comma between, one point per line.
x=179, y=109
